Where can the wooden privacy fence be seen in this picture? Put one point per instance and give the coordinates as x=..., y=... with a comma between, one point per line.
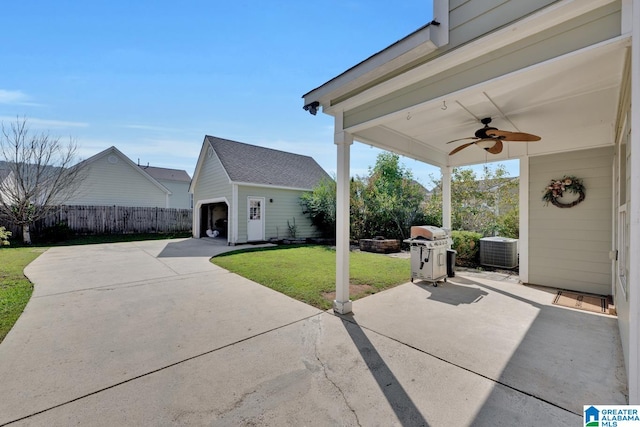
x=114, y=220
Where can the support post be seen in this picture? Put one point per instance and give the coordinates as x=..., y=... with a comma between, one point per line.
x=446, y=196
x=523, y=224
x=343, y=140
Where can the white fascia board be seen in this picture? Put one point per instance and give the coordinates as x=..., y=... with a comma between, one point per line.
x=276, y=187
x=196, y=172
x=204, y=153
x=542, y=20
x=414, y=46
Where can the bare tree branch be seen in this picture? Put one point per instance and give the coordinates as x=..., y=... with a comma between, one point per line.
x=38, y=174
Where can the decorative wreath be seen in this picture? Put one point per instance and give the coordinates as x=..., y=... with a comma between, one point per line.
x=558, y=186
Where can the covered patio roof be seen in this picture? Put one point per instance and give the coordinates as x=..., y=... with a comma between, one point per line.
x=570, y=102
x=566, y=95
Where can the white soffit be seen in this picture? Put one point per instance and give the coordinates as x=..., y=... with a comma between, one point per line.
x=570, y=101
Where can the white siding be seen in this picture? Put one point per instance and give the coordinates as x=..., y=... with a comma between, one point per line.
x=280, y=206
x=569, y=247
x=180, y=197
x=212, y=181
x=112, y=181
x=471, y=19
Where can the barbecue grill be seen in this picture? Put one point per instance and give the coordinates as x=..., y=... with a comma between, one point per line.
x=429, y=246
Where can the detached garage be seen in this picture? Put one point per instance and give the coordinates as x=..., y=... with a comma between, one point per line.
x=246, y=193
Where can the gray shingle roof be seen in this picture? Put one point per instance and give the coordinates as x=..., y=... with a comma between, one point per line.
x=259, y=165
x=166, y=173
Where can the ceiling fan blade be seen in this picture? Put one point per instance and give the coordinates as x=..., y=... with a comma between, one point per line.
x=497, y=148
x=455, y=150
x=512, y=136
x=462, y=139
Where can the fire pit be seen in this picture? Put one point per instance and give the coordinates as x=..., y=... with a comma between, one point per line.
x=380, y=245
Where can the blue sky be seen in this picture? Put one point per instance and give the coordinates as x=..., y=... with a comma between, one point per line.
x=153, y=77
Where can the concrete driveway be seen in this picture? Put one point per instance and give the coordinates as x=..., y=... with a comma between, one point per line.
x=152, y=333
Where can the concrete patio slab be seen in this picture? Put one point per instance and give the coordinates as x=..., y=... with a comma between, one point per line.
x=152, y=333
x=319, y=371
x=509, y=333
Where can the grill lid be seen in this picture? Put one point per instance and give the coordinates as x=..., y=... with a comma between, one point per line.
x=428, y=232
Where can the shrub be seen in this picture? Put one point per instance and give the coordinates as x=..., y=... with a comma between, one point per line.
x=320, y=205
x=509, y=224
x=467, y=245
x=4, y=236
x=59, y=232
x=293, y=228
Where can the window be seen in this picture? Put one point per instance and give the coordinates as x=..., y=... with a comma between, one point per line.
x=254, y=209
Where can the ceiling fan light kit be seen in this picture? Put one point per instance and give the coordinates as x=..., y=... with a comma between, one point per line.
x=490, y=139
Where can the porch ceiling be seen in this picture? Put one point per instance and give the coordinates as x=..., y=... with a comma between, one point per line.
x=571, y=102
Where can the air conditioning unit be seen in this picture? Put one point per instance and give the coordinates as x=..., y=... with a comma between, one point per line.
x=499, y=252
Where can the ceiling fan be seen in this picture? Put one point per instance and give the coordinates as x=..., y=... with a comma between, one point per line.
x=490, y=139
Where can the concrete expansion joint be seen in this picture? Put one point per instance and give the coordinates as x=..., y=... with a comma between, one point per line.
x=162, y=368
x=326, y=374
x=131, y=284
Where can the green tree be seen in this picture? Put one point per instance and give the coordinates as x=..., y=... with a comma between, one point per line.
x=360, y=211
x=391, y=198
x=388, y=202
x=320, y=205
x=488, y=205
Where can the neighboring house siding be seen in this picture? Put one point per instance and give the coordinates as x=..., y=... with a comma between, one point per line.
x=285, y=207
x=180, y=197
x=212, y=182
x=117, y=184
x=598, y=25
x=569, y=247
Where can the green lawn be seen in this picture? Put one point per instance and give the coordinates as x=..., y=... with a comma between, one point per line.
x=307, y=273
x=15, y=289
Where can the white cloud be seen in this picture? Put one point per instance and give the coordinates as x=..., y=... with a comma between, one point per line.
x=151, y=128
x=12, y=96
x=44, y=123
x=16, y=97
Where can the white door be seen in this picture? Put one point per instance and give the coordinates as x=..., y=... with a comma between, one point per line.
x=255, y=222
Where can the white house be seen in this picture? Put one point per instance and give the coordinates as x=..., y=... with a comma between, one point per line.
x=567, y=71
x=113, y=179
x=177, y=181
